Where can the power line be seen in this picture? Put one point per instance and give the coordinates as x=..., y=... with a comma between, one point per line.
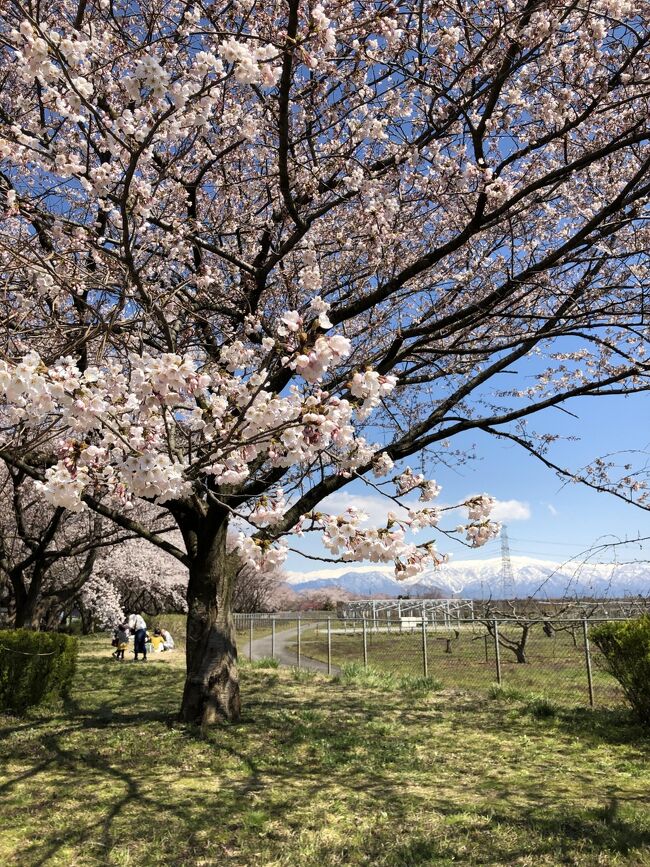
x=567, y=544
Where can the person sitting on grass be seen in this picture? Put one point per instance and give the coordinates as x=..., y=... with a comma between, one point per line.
x=139, y=629
x=122, y=639
x=167, y=638
x=157, y=641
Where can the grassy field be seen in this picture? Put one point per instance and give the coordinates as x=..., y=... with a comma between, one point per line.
x=556, y=665
x=176, y=623
x=318, y=773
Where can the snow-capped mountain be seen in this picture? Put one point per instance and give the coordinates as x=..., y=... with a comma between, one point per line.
x=478, y=579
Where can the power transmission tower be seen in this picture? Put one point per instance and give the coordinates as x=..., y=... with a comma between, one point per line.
x=507, y=577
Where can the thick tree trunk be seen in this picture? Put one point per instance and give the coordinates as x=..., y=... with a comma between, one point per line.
x=26, y=603
x=21, y=616
x=211, y=691
x=520, y=654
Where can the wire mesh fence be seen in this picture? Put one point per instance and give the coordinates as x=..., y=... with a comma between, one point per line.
x=554, y=659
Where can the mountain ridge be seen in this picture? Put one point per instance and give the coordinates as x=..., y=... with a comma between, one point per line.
x=478, y=579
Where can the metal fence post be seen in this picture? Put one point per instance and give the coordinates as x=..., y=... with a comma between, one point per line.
x=298, y=644
x=590, y=681
x=273, y=637
x=365, y=645
x=425, y=660
x=329, y=645
x=497, y=655
x=250, y=639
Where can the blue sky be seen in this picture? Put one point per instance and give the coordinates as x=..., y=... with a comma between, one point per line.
x=546, y=518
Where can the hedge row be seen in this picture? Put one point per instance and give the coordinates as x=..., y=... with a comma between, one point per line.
x=625, y=644
x=35, y=667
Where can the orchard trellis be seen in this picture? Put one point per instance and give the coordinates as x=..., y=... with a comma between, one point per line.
x=445, y=611
x=456, y=610
x=250, y=254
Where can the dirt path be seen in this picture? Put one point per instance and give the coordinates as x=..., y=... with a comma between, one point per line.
x=284, y=652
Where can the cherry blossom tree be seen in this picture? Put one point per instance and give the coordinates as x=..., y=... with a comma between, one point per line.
x=142, y=578
x=47, y=554
x=253, y=252
x=53, y=560
x=127, y=577
x=254, y=590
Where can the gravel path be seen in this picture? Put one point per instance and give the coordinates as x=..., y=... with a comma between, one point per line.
x=284, y=652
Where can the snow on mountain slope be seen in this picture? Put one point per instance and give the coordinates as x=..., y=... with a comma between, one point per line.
x=482, y=578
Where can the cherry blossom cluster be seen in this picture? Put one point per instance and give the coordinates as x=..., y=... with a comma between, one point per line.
x=101, y=600
x=481, y=532
x=260, y=555
x=251, y=66
x=344, y=535
x=371, y=386
x=479, y=507
x=114, y=423
x=268, y=510
x=408, y=481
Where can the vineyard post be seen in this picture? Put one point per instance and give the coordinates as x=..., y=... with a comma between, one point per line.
x=497, y=654
x=590, y=682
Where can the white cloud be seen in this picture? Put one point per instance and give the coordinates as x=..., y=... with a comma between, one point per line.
x=510, y=510
x=378, y=507
x=552, y=509
x=375, y=506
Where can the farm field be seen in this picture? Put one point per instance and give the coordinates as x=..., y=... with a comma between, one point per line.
x=555, y=667
x=318, y=772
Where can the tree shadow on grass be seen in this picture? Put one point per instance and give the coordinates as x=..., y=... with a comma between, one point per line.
x=227, y=791
x=556, y=837
x=114, y=771
x=597, y=726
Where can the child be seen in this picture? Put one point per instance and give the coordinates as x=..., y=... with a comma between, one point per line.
x=122, y=639
x=157, y=641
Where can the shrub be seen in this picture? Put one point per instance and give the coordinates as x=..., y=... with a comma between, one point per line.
x=625, y=645
x=35, y=667
x=302, y=675
x=541, y=708
x=498, y=692
x=265, y=662
x=358, y=674
x=416, y=684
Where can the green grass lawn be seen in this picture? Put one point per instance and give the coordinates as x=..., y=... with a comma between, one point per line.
x=176, y=623
x=319, y=772
x=556, y=666
x=259, y=631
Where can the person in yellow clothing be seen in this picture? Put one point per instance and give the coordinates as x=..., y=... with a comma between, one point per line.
x=157, y=641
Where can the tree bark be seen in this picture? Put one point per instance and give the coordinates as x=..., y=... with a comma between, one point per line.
x=520, y=648
x=27, y=614
x=211, y=691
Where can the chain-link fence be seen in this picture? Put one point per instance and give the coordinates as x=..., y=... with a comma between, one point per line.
x=554, y=659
